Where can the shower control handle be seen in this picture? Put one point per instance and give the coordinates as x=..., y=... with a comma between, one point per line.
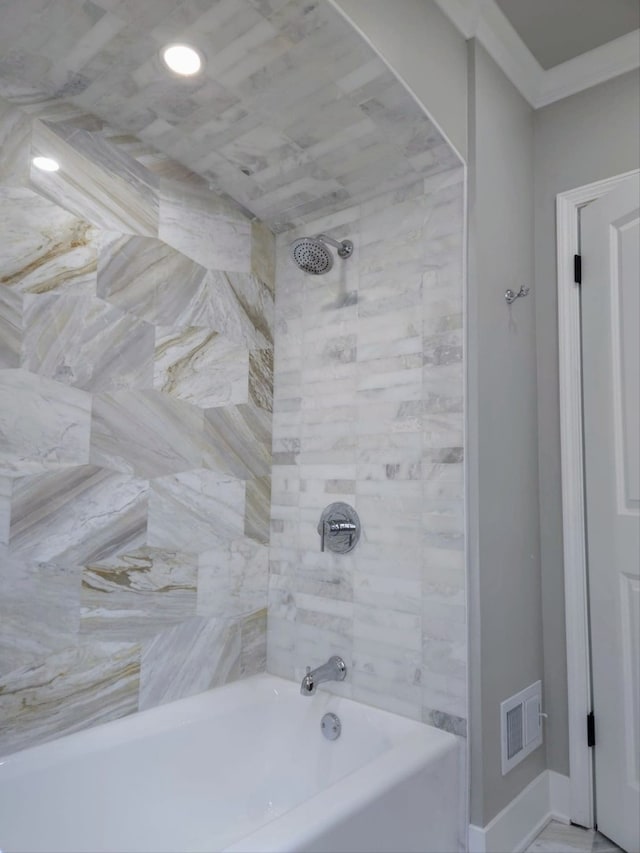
x=339, y=528
x=329, y=527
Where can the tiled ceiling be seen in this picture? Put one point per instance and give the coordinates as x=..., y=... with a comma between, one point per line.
x=293, y=117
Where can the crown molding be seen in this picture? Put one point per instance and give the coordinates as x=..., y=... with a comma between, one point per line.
x=485, y=21
x=597, y=65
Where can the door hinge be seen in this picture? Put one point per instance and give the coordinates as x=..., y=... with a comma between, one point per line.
x=591, y=729
x=577, y=269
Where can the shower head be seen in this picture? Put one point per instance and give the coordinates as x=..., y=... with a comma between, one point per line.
x=312, y=255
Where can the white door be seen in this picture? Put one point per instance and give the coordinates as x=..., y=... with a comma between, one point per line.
x=610, y=299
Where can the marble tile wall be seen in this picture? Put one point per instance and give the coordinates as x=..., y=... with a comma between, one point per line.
x=368, y=409
x=136, y=359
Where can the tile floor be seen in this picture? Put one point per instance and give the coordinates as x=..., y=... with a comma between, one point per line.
x=560, y=838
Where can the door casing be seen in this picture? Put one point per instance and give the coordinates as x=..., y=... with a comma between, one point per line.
x=573, y=509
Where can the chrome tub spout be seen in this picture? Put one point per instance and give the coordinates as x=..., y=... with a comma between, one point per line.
x=334, y=669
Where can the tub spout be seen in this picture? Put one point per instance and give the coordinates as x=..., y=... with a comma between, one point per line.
x=334, y=669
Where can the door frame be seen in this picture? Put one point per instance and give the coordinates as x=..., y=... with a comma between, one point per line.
x=573, y=506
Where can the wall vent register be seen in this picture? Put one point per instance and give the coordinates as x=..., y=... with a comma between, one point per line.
x=521, y=725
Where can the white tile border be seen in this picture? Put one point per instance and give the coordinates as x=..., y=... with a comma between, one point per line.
x=515, y=827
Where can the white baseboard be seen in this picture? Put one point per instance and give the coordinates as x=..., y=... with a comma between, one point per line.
x=514, y=828
x=560, y=796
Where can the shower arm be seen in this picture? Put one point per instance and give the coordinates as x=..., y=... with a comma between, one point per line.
x=344, y=249
x=326, y=239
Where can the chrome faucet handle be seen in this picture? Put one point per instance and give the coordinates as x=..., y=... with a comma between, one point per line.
x=339, y=528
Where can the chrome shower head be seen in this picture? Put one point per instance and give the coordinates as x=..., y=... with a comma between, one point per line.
x=312, y=255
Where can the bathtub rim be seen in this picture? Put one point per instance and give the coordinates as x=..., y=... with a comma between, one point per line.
x=180, y=713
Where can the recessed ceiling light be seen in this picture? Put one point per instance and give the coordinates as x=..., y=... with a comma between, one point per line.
x=182, y=59
x=47, y=164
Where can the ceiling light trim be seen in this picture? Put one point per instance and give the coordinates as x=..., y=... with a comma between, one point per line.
x=484, y=20
x=191, y=53
x=45, y=164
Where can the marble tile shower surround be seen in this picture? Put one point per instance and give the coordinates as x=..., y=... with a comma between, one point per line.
x=136, y=359
x=294, y=115
x=368, y=409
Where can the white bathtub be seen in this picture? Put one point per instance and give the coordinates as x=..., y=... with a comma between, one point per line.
x=241, y=768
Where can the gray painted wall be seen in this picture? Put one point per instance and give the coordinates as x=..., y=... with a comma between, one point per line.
x=502, y=423
x=581, y=139
x=425, y=50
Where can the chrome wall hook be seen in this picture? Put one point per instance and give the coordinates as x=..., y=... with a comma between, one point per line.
x=511, y=296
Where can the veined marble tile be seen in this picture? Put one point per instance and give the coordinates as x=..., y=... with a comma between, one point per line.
x=43, y=425
x=96, y=181
x=77, y=516
x=263, y=254
x=400, y=680
x=238, y=441
x=394, y=628
x=376, y=557
x=320, y=79
x=394, y=325
x=398, y=334
x=399, y=223
x=203, y=230
x=446, y=178
x=142, y=281
x=258, y=509
x=253, y=643
x=10, y=327
x=444, y=694
x=39, y=611
x=6, y=488
x=261, y=378
x=213, y=305
x=137, y=595
x=370, y=692
x=444, y=649
x=444, y=517
x=446, y=213
x=281, y=646
x=232, y=579
x=448, y=722
x=145, y=433
x=15, y=133
x=44, y=248
x=83, y=341
x=69, y=691
x=197, y=655
x=256, y=301
x=195, y=511
x=401, y=594
x=200, y=366
x=392, y=664
x=389, y=418
x=135, y=274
